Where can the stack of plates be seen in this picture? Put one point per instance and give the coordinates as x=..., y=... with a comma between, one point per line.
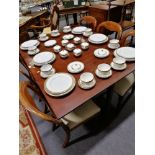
x=79, y=30
x=59, y=84
x=75, y=67
x=127, y=53
x=98, y=38
x=44, y=58
x=101, y=53
x=25, y=45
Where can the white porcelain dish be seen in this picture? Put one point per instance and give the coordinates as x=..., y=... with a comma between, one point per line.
x=84, y=85
x=50, y=43
x=29, y=43
x=68, y=36
x=44, y=75
x=112, y=47
x=59, y=84
x=115, y=67
x=43, y=39
x=75, y=67
x=33, y=53
x=55, y=35
x=79, y=30
x=98, y=38
x=101, y=75
x=86, y=34
x=101, y=53
x=86, y=77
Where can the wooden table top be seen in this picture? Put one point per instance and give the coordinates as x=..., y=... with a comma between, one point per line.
x=121, y=2
x=63, y=105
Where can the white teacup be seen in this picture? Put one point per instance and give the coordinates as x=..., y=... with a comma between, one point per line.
x=84, y=45
x=88, y=31
x=64, y=42
x=70, y=47
x=114, y=43
x=46, y=69
x=77, y=40
x=119, y=62
x=67, y=28
x=42, y=36
x=57, y=48
x=77, y=52
x=64, y=53
x=32, y=49
x=54, y=32
x=86, y=77
x=104, y=69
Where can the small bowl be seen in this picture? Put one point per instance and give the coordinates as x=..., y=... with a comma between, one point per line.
x=77, y=40
x=77, y=52
x=64, y=53
x=84, y=45
x=64, y=42
x=57, y=48
x=70, y=47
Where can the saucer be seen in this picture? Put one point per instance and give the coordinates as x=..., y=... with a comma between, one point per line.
x=100, y=75
x=43, y=75
x=88, y=85
x=55, y=35
x=33, y=53
x=44, y=39
x=109, y=45
x=50, y=43
x=67, y=31
x=117, y=68
x=101, y=53
x=75, y=67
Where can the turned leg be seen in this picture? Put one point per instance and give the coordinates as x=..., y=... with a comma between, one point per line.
x=67, y=138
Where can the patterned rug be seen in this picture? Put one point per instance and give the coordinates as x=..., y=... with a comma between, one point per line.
x=29, y=139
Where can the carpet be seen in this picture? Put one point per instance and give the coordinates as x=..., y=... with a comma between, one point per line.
x=29, y=139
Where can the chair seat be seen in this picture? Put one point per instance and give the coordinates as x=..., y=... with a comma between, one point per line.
x=80, y=114
x=122, y=86
x=127, y=24
x=47, y=30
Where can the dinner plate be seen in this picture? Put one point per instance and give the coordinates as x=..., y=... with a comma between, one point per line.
x=50, y=43
x=85, y=85
x=126, y=52
x=26, y=48
x=44, y=39
x=113, y=48
x=29, y=43
x=128, y=60
x=59, y=84
x=118, y=68
x=43, y=58
x=75, y=67
x=44, y=75
x=68, y=36
x=101, y=53
x=79, y=30
x=100, y=75
x=98, y=38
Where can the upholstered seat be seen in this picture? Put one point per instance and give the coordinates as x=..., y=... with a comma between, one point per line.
x=122, y=86
x=81, y=114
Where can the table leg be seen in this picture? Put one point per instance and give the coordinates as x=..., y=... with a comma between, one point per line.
x=75, y=18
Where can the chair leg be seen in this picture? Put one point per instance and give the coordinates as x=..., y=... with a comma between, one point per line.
x=55, y=126
x=67, y=138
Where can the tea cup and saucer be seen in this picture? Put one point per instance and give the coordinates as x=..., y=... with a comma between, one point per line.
x=84, y=45
x=46, y=71
x=55, y=33
x=33, y=50
x=114, y=44
x=66, y=29
x=64, y=54
x=43, y=37
x=118, y=63
x=57, y=48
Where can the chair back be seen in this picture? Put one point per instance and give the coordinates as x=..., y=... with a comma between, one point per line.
x=89, y=21
x=110, y=26
x=125, y=37
x=54, y=17
x=27, y=101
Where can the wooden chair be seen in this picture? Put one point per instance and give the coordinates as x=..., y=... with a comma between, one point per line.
x=110, y=26
x=68, y=122
x=89, y=21
x=125, y=37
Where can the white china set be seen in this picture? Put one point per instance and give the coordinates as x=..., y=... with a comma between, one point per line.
x=75, y=67
x=50, y=43
x=114, y=44
x=33, y=50
x=101, y=53
x=55, y=33
x=88, y=32
x=77, y=52
x=27, y=44
x=98, y=38
x=79, y=30
x=67, y=29
x=43, y=37
x=118, y=63
x=64, y=54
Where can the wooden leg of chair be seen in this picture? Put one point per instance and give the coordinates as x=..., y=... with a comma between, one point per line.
x=67, y=20
x=67, y=138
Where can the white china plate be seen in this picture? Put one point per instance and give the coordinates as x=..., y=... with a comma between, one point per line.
x=59, y=84
x=75, y=67
x=50, y=43
x=43, y=58
x=29, y=43
x=58, y=34
x=101, y=53
x=44, y=75
x=33, y=53
x=117, y=68
x=128, y=60
x=126, y=52
x=79, y=30
x=100, y=75
x=68, y=36
x=23, y=48
x=88, y=85
x=113, y=48
x=98, y=38
x=46, y=38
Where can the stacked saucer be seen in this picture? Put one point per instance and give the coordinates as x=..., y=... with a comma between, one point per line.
x=103, y=71
x=44, y=58
x=75, y=67
x=87, y=80
x=46, y=71
x=98, y=38
x=79, y=30
x=101, y=53
x=118, y=63
x=25, y=45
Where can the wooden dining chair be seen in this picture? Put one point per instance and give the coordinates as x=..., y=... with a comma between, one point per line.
x=89, y=21
x=68, y=122
x=110, y=26
x=124, y=39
